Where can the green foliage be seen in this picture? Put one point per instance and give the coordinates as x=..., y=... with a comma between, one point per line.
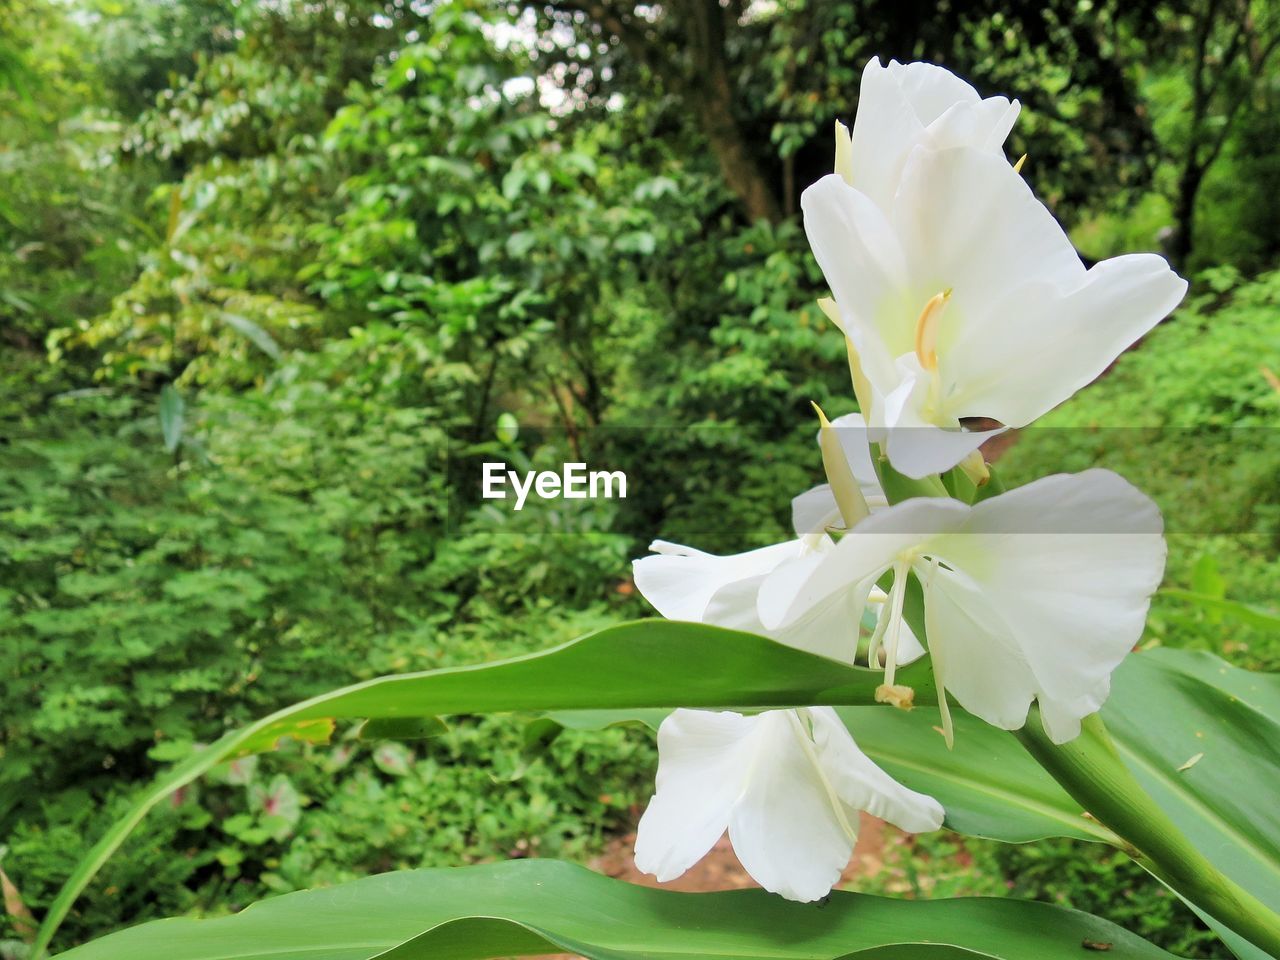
x=348, y=235
x=530, y=908
x=1106, y=883
x=148, y=599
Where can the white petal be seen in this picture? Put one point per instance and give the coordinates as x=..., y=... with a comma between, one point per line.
x=910, y=648
x=862, y=785
x=1062, y=722
x=1068, y=564
x=703, y=757
x=983, y=126
x=968, y=223
x=685, y=584
x=815, y=510
x=924, y=450
x=1039, y=344
x=901, y=106
x=860, y=257
x=680, y=581
x=928, y=89
x=785, y=828
x=916, y=446
x=974, y=655
x=885, y=128
x=788, y=784
x=793, y=590
x=829, y=629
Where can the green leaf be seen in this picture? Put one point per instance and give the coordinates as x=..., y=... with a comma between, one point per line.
x=508, y=428
x=254, y=333
x=1203, y=738
x=529, y=907
x=988, y=784
x=172, y=415
x=1206, y=579
x=1236, y=610
x=650, y=663
x=402, y=728
x=393, y=759
x=278, y=805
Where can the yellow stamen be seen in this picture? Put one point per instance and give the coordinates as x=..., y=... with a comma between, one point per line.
x=927, y=329
x=1017, y=167
x=897, y=597
x=844, y=153
x=901, y=697
x=844, y=486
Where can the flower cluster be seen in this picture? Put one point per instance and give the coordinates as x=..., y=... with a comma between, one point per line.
x=959, y=297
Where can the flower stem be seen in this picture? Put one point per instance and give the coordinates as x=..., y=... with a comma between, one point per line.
x=1092, y=772
x=898, y=486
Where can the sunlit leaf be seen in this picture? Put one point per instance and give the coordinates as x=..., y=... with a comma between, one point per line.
x=530, y=907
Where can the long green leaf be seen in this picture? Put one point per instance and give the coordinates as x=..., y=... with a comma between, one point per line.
x=1249, y=613
x=522, y=908
x=649, y=663
x=1203, y=738
x=988, y=784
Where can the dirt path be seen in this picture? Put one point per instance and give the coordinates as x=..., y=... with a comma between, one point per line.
x=720, y=869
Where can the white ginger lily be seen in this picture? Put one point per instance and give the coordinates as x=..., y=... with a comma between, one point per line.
x=788, y=785
x=687, y=584
x=958, y=292
x=1035, y=594
x=901, y=106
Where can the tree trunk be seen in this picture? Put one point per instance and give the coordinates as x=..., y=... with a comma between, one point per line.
x=738, y=166
x=697, y=71
x=711, y=92
x=1185, y=212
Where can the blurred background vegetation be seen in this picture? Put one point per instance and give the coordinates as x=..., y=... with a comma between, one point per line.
x=269, y=267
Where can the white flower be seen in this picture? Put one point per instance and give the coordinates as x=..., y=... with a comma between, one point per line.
x=687, y=584
x=901, y=106
x=1033, y=594
x=787, y=784
x=958, y=292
